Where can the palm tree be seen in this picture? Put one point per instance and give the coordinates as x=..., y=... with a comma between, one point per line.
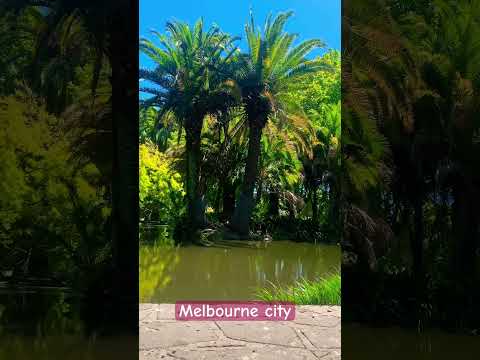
x=263, y=74
x=190, y=75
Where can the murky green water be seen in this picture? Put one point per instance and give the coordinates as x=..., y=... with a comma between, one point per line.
x=66, y=347
x=365, y=343
x=229, y=273
x=49, y=324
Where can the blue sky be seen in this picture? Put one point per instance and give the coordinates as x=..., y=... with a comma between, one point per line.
x=312, y=18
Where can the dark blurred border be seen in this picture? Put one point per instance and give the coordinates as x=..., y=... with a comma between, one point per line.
x=411, y=189
x=69, y=194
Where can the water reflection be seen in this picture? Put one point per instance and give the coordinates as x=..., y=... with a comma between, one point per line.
x=40, y=324
x=156, y=266
x=228, y=273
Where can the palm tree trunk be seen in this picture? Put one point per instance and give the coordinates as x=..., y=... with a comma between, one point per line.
x=195, y=201
x=259, y=192
x=417, y=251
x=417, y=239
x=273, y=204
x=218, y=197
x=314, y=204
x=245, y=204
x=228, y=201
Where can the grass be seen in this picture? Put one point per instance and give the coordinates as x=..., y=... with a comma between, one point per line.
x=325, y=291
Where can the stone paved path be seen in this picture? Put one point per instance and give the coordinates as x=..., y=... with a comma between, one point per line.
x=314, y=334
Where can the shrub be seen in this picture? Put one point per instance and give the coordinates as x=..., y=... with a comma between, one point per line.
x=161, y=189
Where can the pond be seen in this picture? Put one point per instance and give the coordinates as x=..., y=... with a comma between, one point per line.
x=365, y=343
x=41, y=324
x=233, y=272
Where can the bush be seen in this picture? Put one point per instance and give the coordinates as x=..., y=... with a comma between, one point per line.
x=161, y=189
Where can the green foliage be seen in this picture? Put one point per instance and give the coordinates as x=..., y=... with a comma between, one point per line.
x=325, y=291
x=52, y=133
x=40, y=177
x=161, y=188
x=316, y=91
x=17, y=45
x=279, y=166
x=147, y=122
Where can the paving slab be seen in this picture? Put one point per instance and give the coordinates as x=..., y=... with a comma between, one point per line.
x=159, y=334
x=314, y=334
